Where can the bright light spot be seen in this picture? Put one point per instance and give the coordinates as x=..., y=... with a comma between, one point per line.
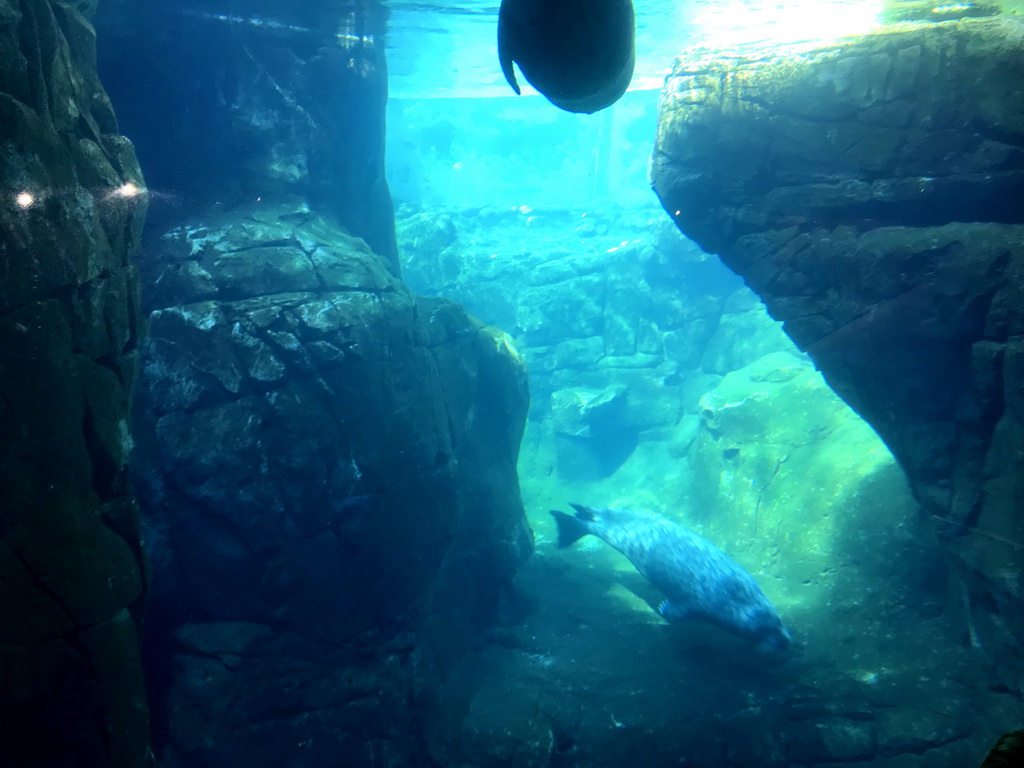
x=128, y=189
x=868, y=678
x=25, y=199
x=735, y=22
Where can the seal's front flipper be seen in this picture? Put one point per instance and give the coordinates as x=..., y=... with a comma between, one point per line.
x=671, y=611
x=506, y=43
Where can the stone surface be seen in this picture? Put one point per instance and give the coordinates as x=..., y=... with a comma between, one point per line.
x=595, y=678
x=291, y=104
x=738, y=438
x=867, y=191
x=809, y=499
x=72, y=576
x=328, y=465
x=607, y=305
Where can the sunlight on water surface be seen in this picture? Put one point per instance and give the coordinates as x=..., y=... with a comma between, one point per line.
x=448, y=48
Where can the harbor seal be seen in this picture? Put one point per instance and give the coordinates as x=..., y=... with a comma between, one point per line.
x=578, y=53
x=697, y=578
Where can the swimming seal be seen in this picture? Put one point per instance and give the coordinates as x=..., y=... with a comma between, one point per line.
x=578, y=53
x=698, y=579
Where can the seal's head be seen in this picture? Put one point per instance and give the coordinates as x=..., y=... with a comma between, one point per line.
x=766, y=628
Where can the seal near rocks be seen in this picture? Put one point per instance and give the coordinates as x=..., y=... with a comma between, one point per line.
x=698, y=579
x=578, y=53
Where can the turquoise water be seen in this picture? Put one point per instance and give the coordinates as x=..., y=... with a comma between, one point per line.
x=446, y=49
x=384, y=341
x=660, y=383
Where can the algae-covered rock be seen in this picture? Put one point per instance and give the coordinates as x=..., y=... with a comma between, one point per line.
x=504, y=726
x=745, y=333
x=745, y=406
x=592, y=431
x=606, y=301
x=291, y=106
x=581, y=413
x=326, y=456
x=72, y=577
x=789, y=476
x=867, y=194
x=836, y=740
x=785, y=478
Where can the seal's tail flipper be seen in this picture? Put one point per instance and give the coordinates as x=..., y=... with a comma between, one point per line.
x=584, y=513
x=569, y=528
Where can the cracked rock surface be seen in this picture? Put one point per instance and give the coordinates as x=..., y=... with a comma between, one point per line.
x=328, y=463
x=292, y=104
x=72, y=576
x=869, y=192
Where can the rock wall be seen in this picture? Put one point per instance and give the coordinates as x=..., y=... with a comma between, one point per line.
x=72, y=575
x=264, y=100
x=328, y=465
x=868, y=192
x=625, y=324
x=660, y=383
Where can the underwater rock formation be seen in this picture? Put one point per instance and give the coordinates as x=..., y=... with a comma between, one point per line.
x=654, y=389
x=328, y=464
x=623, y=322
x=805, y=496
x=72, y=576
x=869, y=192
x=269, y=99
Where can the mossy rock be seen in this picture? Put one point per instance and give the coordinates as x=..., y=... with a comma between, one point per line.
x=801, y=492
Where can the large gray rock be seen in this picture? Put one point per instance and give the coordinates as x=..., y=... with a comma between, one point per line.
x=260, y=101
x=328, y=461
x=72, y=577
x=868, y=191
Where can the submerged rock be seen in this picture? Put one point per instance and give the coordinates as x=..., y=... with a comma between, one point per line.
x=292, y=103
x=869, y=195
x=72, y=576
x=326, y=454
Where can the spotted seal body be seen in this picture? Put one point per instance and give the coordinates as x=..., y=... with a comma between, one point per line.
x=697, y=578
x=578, y=53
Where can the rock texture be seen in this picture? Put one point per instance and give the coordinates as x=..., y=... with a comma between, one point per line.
x=869, y=192
x=804, y=495
x=328, y=462
x=72, y=576
x=623, y=322
x=291, y=103
x=652, y=390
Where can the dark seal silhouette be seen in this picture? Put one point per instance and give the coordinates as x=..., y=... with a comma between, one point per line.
x=1008, y=752
x=697, y=578
x=578, y=53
